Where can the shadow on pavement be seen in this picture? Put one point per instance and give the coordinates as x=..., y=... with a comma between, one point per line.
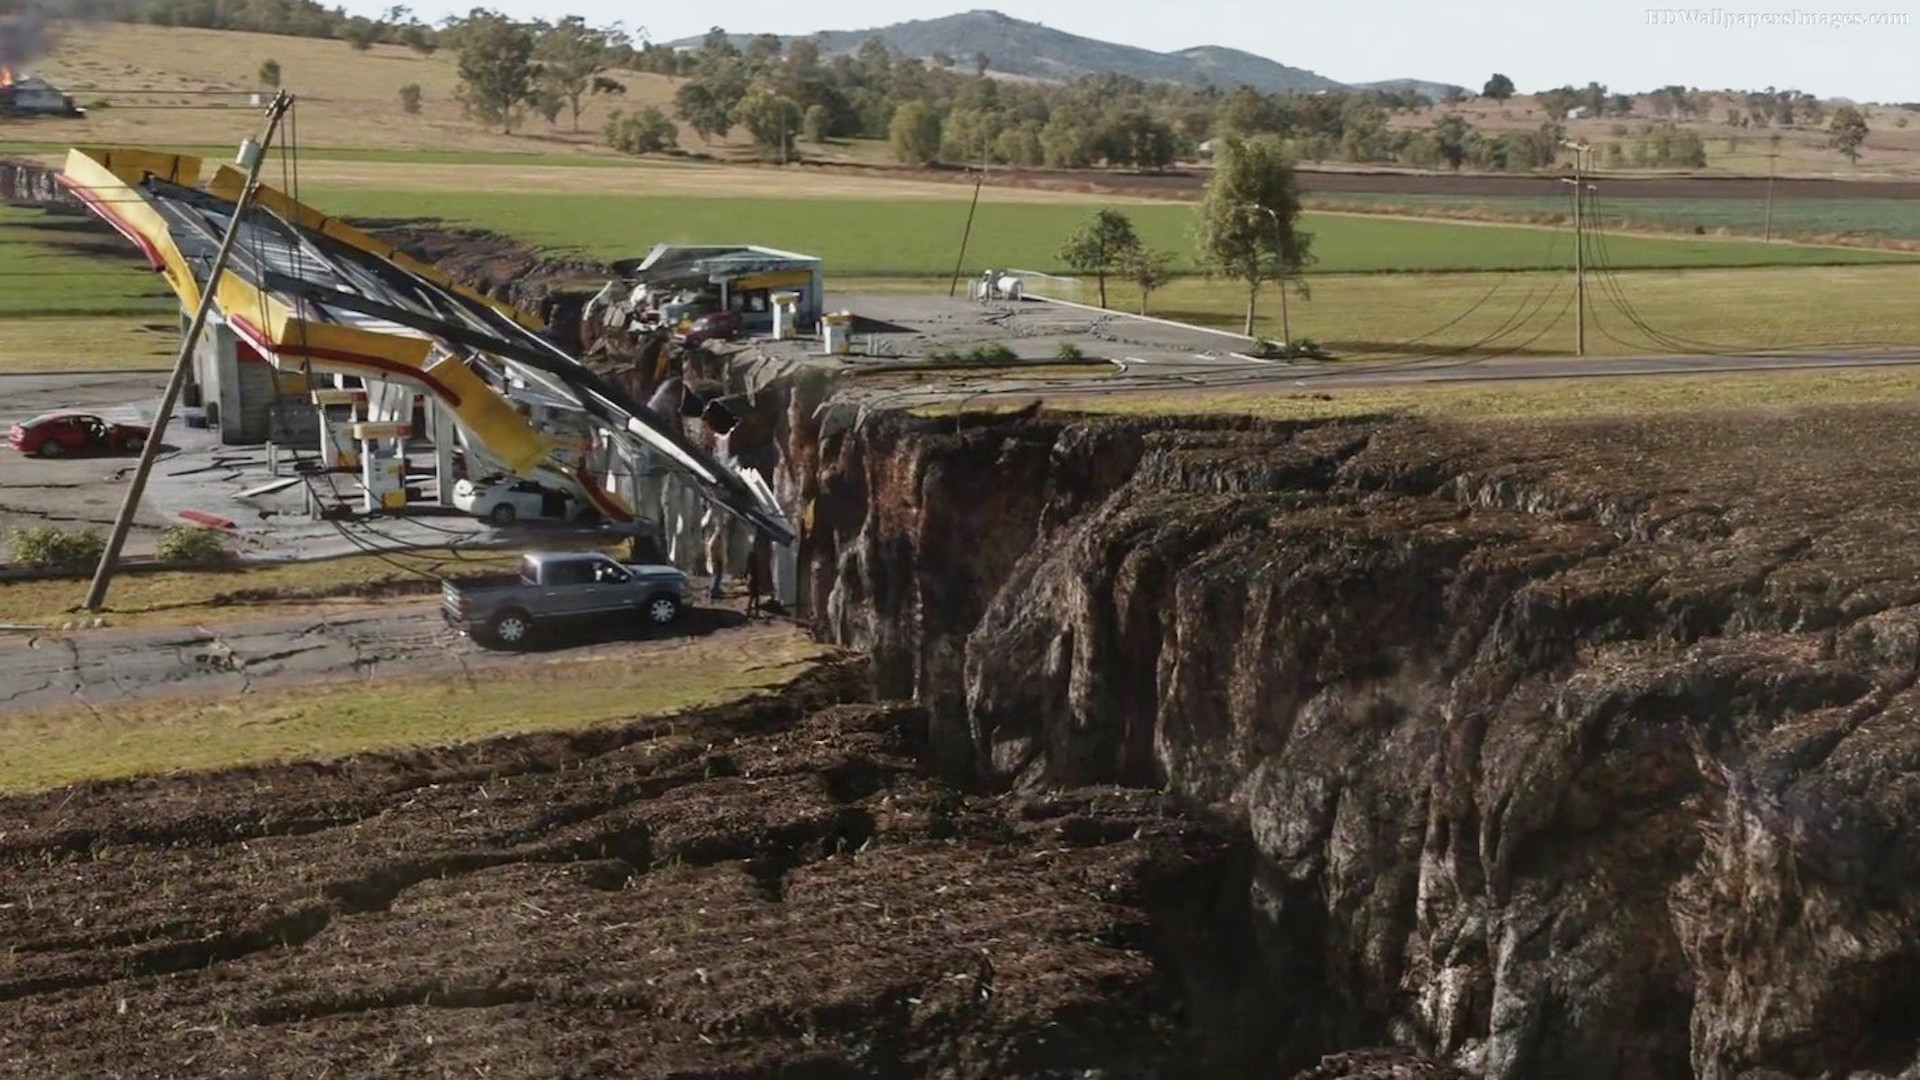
x=694, y=622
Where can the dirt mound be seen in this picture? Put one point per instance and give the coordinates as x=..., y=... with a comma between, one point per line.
x=762, y=889
x=1574, y=750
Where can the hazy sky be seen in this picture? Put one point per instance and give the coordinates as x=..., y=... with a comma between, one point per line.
x=1628, y=46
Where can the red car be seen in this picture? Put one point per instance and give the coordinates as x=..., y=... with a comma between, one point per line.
x=713, y=326
x=58, y=434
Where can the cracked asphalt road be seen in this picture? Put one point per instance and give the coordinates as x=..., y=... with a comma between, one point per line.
x=100, y=667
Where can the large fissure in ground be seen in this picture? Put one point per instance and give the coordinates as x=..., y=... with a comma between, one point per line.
x=1578, y=750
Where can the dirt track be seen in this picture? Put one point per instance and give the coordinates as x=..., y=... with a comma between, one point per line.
x=1189, y=183
x=762, y=888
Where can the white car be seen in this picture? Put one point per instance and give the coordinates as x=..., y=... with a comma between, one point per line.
x=504, y=500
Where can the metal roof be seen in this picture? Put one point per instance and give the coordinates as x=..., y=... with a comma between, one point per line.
x=325, y=280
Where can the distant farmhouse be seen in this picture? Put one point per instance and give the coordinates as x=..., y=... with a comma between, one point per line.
x=30, y=95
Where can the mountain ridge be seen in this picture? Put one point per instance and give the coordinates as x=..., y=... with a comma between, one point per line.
x=1017, y=47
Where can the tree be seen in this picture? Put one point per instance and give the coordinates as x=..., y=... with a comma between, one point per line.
x=361, y=33
x=980, y=64
x=1018, y=146
x=1101, y=246
x=496, y=67
x=410, y=97
x=915, y=133
x=803, y=56
x=1499, y=88
x=817, y=122
x=1249, y=217
x=695, y=104
x=270, y=74
x=1452, y=137
x=573, y=59
x=646, y=132
x=772, y=118
x=1148, y=270
x=1847, y=131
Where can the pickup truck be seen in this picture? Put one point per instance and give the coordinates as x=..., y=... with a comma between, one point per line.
x=557, y=587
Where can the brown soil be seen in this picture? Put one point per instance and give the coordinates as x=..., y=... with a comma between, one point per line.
x=769, y=888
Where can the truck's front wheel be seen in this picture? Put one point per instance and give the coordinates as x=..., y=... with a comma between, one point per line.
x=511, y=629
x=661, y=610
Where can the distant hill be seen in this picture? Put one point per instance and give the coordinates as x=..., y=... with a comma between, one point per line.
x=1016, y=47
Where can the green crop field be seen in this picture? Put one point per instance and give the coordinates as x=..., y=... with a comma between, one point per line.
x=922, y=237
x=1791, y=217
x=39, y=279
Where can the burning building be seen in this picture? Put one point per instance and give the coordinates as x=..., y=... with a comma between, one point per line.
x=28, y=95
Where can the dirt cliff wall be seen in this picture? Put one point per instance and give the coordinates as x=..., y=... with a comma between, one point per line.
x=1575, y=751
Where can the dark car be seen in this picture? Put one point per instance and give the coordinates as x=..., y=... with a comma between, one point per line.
x=64, y=433
x=713, y=326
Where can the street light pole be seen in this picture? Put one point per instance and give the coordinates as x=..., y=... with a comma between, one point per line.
x=1286, y=330
x=102, y=574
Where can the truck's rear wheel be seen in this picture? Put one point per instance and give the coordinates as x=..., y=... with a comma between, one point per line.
x=511, y=628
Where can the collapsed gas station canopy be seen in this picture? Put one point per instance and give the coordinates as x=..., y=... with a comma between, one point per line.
x=310, y=292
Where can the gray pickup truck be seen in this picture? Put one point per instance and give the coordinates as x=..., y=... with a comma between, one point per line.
x=557, y=587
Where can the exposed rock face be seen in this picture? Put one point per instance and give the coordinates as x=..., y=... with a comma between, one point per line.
x=1570, y=751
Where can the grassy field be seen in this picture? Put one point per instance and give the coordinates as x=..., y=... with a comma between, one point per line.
x=1731, y=309
x=174, y=86
x=88, y=343
x=38, y=279
x=1814, y=218
x=305, y=721
x=1533, y=399
x=921, y=237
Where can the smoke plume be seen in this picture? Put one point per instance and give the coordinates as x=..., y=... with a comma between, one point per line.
x=29, y=28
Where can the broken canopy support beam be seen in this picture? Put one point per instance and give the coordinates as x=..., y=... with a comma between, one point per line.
x=103, y=574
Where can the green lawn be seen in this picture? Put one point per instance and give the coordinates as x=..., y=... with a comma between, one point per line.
x=922, y=237
x=37, y=278
x=1791, y=217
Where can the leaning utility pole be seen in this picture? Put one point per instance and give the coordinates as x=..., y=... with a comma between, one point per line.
x=97, y=592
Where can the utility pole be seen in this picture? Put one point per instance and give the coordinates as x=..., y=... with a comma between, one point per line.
x=97, y=592
x=1579, y=248
x=1767, y=231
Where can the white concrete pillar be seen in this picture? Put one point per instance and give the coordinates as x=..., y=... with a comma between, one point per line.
x=444, y=432
x=786, y=575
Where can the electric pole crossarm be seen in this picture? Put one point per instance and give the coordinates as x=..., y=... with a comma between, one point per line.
x=136, y=489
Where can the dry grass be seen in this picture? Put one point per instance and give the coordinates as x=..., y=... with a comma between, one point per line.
x=300, y=722
x=98, y=343
x=169, y=86
x=660, y=178
x=186, y=597
x=1541, y=399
